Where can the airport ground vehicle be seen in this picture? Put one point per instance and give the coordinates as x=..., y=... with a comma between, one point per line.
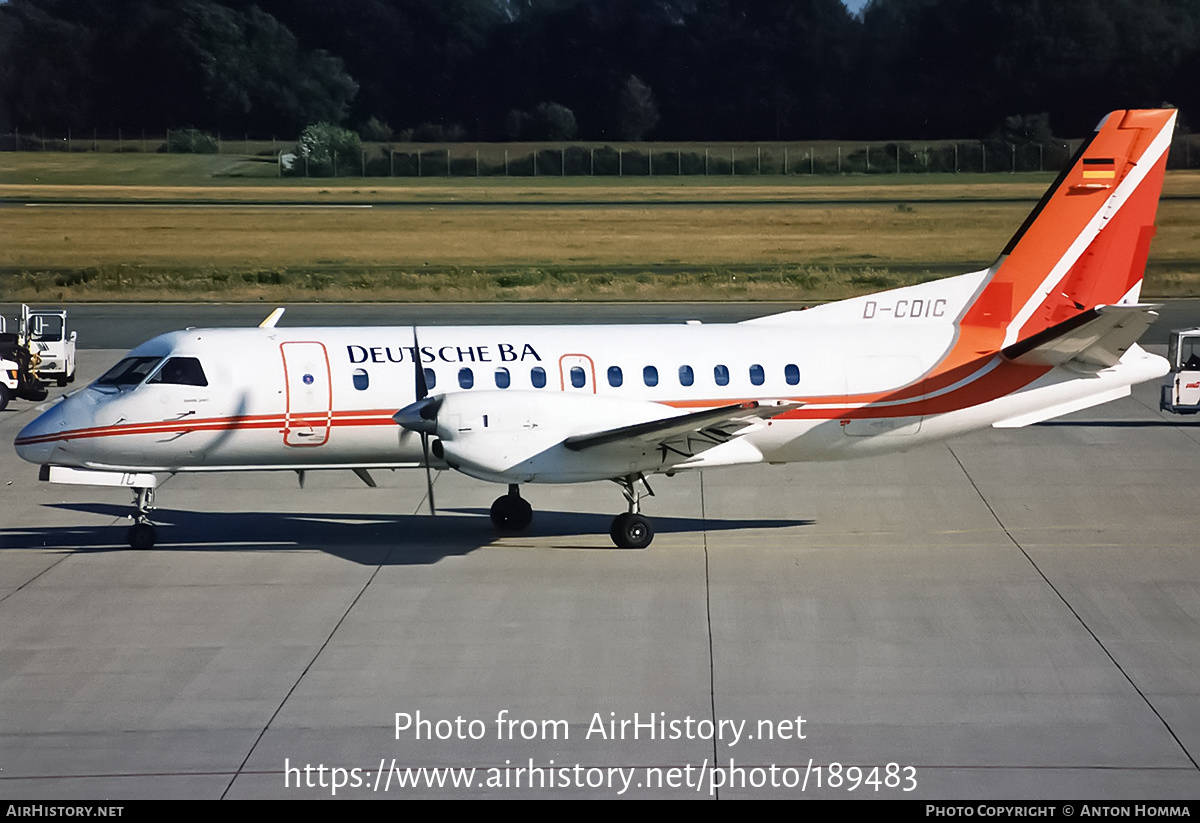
x=1181, y=385
x=17, y=378
x=43, y=332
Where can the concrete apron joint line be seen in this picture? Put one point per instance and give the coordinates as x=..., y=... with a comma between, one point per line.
x=1071, y=608
x=712, y=676
x=242, y=766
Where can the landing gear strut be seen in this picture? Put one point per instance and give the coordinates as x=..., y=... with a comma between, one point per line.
x=631, y=530
x=511, y=512
x=142, y=533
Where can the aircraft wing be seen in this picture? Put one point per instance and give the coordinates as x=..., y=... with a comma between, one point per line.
x=1096, y=338
x=685, y=435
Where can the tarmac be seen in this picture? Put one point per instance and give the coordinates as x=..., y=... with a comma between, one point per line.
x=1014, y=614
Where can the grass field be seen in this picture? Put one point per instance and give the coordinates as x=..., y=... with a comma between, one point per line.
x=630, y=239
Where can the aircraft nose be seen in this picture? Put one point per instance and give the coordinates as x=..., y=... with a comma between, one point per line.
x=37, y=441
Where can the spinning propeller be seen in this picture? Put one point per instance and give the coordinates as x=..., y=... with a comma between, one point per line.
x=421, y=416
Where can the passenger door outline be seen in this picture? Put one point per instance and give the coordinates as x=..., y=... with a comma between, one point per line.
x=309, y=393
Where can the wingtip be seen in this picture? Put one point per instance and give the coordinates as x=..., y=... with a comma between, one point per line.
x=272, y=318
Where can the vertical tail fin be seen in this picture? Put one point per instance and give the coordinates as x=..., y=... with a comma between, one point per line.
x=1086, y=242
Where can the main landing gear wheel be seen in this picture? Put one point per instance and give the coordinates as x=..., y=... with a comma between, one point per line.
x=631, y=531
x=511, y=512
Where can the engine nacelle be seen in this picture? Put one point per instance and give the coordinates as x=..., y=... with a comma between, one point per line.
x=517, y=437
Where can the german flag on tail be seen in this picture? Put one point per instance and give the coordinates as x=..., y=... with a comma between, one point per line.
x=1099, y=168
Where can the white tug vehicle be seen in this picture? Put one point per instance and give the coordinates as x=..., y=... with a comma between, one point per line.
x=43, y=333
x=1181, y=385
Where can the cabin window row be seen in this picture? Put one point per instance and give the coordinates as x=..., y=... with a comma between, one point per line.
x=687, y=375
x=578, y=376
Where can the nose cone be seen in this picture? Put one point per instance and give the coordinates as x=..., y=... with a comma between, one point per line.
x=37, y=441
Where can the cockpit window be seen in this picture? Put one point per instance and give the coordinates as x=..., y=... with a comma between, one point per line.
x=181, y=371
x=129, y=372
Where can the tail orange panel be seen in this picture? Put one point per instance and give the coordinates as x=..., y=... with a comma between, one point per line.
x=1086, y=242
x=1084, y=245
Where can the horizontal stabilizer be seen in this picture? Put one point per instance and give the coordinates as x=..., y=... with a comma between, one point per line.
x=1095, y=338
x=1051, y=412
x=687, y=434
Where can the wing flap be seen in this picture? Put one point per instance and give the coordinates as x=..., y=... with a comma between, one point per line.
x=1096, y=338
x=685, y=435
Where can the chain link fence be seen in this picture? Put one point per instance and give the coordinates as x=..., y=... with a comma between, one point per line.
x=576, y=159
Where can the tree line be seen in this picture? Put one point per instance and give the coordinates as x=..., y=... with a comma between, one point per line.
x=450, y=70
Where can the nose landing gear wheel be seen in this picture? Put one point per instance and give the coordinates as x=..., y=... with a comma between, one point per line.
x=631, y=531
x=511, y=512
x=141, y=536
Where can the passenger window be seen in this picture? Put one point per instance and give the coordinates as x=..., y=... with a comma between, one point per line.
x=361, y=379
x=181, y=371
x=578, y=377
x=430, y=379
x=502, y=378
x=650, y=376
x=791, y=373
x=721, y=375
x=757, y=375
x=615, y=378
x=537, y=376
x=466, y=378
x=686, y=376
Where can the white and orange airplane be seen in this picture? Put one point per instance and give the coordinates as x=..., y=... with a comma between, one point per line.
x=1049, y=328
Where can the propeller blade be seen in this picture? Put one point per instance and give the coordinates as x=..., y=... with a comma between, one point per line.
x=422, y=390
x=425, y=417
x=428, y=474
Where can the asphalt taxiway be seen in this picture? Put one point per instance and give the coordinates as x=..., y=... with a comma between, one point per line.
x=1013, y=614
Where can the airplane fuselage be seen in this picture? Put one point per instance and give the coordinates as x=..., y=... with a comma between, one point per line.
x=866, y=372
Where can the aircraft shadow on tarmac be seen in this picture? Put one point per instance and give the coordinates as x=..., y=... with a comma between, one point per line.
x=1119, y=424
x=370, y=539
